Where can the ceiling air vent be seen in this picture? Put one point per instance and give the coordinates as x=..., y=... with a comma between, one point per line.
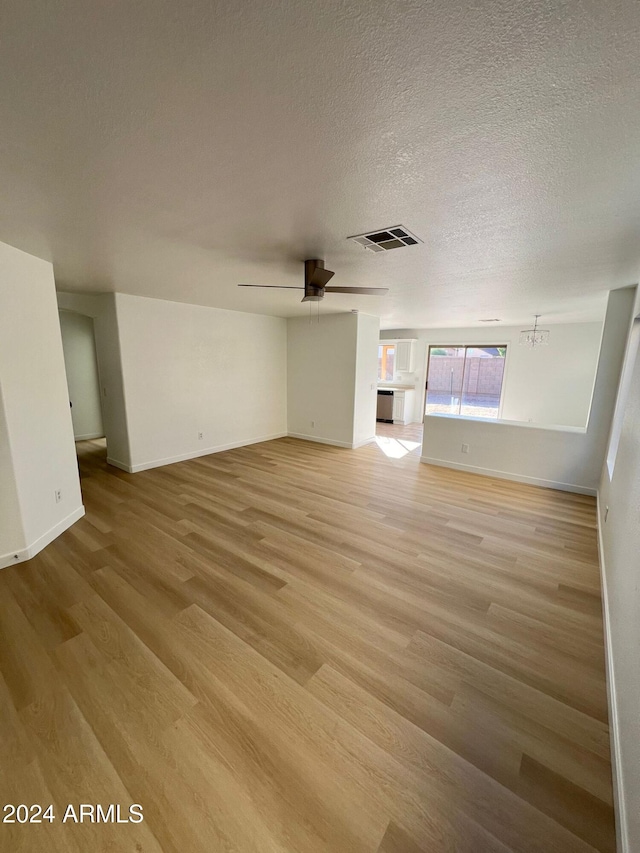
x=386, y=238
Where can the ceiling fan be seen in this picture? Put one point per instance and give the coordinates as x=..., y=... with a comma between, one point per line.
x=316, y=278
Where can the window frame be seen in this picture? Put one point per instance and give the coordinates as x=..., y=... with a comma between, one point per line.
x=385, y=346
x=506, y=346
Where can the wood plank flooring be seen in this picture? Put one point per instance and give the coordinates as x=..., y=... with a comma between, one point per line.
x=293, y=647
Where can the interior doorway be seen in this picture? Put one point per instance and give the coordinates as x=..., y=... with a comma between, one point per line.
x=81, y=366
x=398, y=417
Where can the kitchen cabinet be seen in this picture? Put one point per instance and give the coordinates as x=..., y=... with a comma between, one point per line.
x=398, y=407
x=403, y=407
x=404, y=356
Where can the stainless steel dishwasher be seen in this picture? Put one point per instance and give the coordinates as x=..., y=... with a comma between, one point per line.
x=384, y=411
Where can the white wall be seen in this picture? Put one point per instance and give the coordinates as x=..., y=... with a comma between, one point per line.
x=366, y=379
x=545, y=456
x=12, y=536
x=568, y=458
x=620, y=552
x=187, y=370
x=321, y=360
x=38, y=455
x=331, y=367
x=81, y=367
x=549, y=385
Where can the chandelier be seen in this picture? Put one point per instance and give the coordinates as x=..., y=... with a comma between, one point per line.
x=534, y=337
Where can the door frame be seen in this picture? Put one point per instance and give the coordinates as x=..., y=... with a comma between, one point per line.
x=425, y=384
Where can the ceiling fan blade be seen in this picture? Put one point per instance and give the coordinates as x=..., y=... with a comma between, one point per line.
x=363, y=291
x=320, y=277
x=279, y=286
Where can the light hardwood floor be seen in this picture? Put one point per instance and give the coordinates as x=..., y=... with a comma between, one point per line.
x=294, y=647
x=400, y=432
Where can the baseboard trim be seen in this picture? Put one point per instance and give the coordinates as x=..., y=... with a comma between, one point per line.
x=13, y=557
x=183, y=457
x=622, y=836
x=42, y=541
x=319, y=440
x=117, y=464
x=362, y=443
x=89, y=436
x=507, y=475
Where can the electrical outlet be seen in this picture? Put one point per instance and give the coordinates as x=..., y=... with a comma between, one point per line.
x=58, y=495
x=199, y=436
x=465, y=448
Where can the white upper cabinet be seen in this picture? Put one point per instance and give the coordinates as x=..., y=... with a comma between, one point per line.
x=396, y=358
x=404, y=356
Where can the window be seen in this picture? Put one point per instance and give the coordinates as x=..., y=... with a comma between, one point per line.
x=465, y=380
x=386, y=361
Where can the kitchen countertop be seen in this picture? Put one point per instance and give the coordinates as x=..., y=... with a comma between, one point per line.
x=396, y=387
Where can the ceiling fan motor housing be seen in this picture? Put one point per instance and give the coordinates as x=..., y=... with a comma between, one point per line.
x=315, y=279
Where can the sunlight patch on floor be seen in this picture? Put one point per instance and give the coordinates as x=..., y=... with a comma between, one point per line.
x=395, y=448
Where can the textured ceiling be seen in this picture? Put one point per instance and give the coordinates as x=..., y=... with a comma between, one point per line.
x=175, y=149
